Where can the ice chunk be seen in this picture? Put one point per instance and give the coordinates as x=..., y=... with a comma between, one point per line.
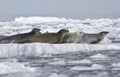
x=93, y=67
x=99, y=57
x=12, y=67
x=116, y=65
x=106, y=40
x=57, y=63
x=57, y=75
x=84, y=61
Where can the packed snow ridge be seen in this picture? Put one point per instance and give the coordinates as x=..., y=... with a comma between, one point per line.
x=37, y=49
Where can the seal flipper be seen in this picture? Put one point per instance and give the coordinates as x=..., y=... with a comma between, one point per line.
x=95, y=42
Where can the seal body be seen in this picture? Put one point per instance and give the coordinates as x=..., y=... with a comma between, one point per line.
x=93, y=38
x=46, y=37
x=18, y=37
x=74, y=37
x=2, y=37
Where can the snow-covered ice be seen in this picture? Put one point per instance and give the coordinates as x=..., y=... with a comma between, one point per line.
x=57, y=63
x=116, y=65
x=36, y=49
x=84, y=61
x=13, y=67
x=57, y=75
x=99, y=57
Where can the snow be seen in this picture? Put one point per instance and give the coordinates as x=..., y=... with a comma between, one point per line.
x=93, y=67
x=37, y=49
x=84, y=61
x=116, y=65
x=99, y=57
x=39, y=19
x=57, y=63
x=116, y=68
x=13, y=67
x=106, y=40
x=57, y=75
x=103, y=74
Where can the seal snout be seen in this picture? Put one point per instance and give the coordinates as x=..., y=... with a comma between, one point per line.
x=104, y=32
x=63, y=31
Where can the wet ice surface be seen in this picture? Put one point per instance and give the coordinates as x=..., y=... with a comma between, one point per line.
x=78, y=64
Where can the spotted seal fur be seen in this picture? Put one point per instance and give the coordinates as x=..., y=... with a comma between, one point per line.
x=74, y=37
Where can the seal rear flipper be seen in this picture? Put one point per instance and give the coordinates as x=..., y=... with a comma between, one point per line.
x=95, y=42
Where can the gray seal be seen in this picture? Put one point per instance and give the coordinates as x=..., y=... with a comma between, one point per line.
x=18, y=37
x=2, y=37
x=46, y=37
x=93, y=38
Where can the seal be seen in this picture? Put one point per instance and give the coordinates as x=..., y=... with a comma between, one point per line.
x=2, y=36
x=46, y=37
x=93, y=38
x=74, y=37
x=18, y=37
